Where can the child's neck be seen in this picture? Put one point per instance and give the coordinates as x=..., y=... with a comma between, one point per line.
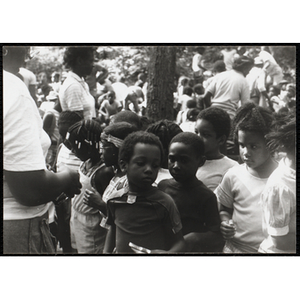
x=264, y=170
x=214, y=155
x=188, y=181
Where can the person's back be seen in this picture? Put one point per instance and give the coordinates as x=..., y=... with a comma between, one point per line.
x=228, y=88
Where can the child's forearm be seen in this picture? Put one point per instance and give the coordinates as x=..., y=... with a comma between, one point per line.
x=179, y=244
x=225, y=216
x=110, y=240
x=204, y=242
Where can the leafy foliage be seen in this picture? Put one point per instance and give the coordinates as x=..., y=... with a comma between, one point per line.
x=129, y=61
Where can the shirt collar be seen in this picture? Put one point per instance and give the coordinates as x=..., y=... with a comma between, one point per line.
x=75, y=76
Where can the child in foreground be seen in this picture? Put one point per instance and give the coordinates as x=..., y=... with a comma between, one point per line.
x=197, y=204
x=279, y=197
x=213, y=126
x=240, y=190
x=145, y=215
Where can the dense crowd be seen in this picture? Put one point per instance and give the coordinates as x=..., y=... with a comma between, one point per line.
x=86, y=171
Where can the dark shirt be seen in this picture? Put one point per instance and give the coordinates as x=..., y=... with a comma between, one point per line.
x=196, y=203
x=150, y=221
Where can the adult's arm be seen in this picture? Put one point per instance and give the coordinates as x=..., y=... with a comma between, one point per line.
x=47, y=122
x=207, y=99
x=33, y=188
x=32, y=91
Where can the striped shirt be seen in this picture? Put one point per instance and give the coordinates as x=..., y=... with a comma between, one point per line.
x=74, y=95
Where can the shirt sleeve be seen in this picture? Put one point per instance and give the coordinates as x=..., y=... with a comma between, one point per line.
x=22, y=149
x=212, y=87
x=277, y=209
x=261, y=82
x=224, y=191
x=74, y=98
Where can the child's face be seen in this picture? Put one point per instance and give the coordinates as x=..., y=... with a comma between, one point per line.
x=83, y=152
x=109, y=153
x=253, y=149
x=142, y=169
x=183, y=162
x=205, y=130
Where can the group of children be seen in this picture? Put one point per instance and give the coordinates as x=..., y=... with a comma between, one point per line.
x=161, y=190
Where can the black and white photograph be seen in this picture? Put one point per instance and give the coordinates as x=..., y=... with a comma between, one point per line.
x=149, y=149
x=114, y=114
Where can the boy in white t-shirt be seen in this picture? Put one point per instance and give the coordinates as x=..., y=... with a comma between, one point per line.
x=213, y=126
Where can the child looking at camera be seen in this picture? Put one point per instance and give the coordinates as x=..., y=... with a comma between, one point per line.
x=145, y=215
x=197, y=204
x=213, y=126
x=240, y=190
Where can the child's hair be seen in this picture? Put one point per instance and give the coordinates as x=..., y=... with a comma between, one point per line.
x=134, y=138
x=66, y=119
x=188, y=91
x=219, y=66
x=127, y=116
x=190, y=139
x=282, y=136
x=192, y=114
x=191, y=103
x=120, y=130
x=85, y=131
x=199, y=89
x=251, y=117
x=218, y=118
x=165, y=130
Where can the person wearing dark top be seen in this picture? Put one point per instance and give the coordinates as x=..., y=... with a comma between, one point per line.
x=196, y=203
x=144, y=216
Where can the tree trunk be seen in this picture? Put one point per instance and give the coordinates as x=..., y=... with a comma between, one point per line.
x=161, y=76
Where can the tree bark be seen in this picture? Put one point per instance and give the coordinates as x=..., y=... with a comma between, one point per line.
x=161, y=76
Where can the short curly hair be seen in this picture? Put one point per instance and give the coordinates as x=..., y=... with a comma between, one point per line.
x=127, y=149
x=283, y=134
x=190, y=139
x=72, y=53
x=218, y=118
x=254, y=118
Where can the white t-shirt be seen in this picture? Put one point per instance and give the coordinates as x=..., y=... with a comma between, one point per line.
x=241, y=191
x=25, y=143
x=183, y=99
x=279, y=204
x=28, y=77
x=229, y=89
x=212, y=172
x=66, y=159
x=74, y=95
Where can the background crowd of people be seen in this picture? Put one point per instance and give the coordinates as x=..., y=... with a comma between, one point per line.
x=86, y=171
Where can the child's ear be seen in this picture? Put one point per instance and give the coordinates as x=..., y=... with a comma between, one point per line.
x=222, y=140
x=202, y=160
x=123, y=165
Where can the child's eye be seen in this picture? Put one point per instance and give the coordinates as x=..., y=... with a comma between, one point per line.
x=254, y=147
x=171, y=159
x=140, y=163
x=184, y=160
